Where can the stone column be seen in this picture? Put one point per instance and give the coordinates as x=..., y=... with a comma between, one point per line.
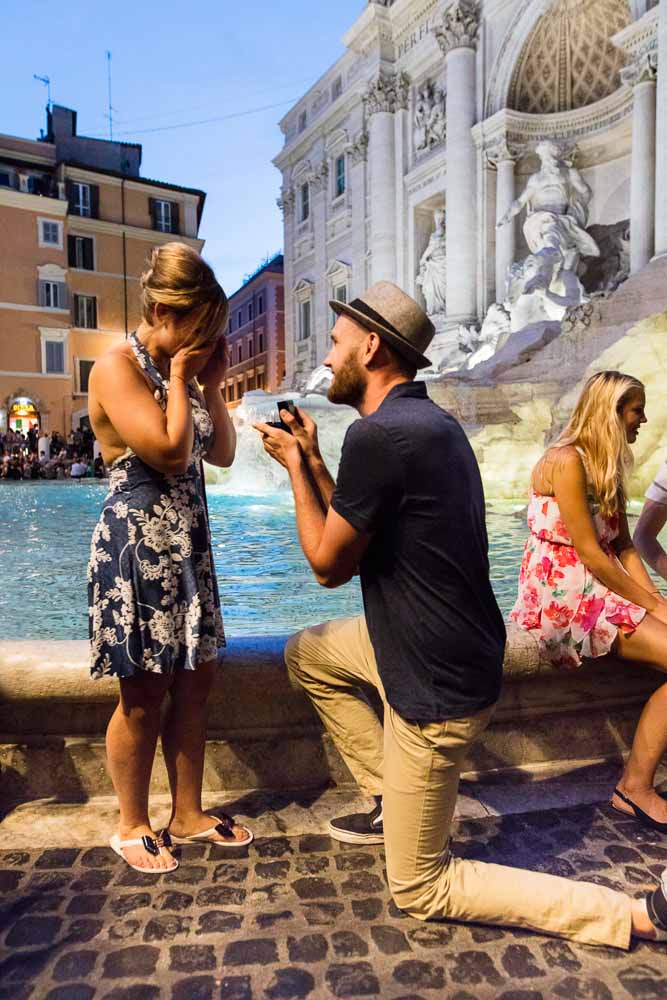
x=319, y=338
x=661, y=136
x=383, y=96
x=457, y=37
x=503, y=157
x=357, y=159
x=286, y=203
x=641, y=75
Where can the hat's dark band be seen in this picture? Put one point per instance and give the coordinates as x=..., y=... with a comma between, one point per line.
x=361, y=307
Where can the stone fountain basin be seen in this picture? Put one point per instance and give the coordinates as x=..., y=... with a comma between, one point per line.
x=264, y=734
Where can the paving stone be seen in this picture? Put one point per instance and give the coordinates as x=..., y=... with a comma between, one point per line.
x=637, y=876
x=34, y=931
x=269, y=893
x=354, y=862
x=57, y=857
x=309, y=948
x=521, y=995
x=361, y=883
x=98, y=857
x=230, y=871
x=354, y=980
x=127, y=903
x=9, y=879
x=323, y=914
x=92, y=881
x=220, y=895
x=272, y=847
x=189, y=874
x=134, y=962
x=423, y=975
x=194, y=988
x=264, y=920
x=290, y=984
x=394, y=911
x=559, y=955
x=311, y=865
x=166, y=927
x=84, y=930
x=472, y=967
x=218, y=922
x=255, y=951
x=519, y=963
x=47, y=903
x=14, y=859
x=192, y=958
x=272, y=869
x=347, y=944
x=131, y=879
x=483, y=935
x=124, y=930
x=589, y=863
x=367, y=909
x=645, y=981
x=431, y=935
x=50, y=881
x=618, y=852
x=16, y=992
x=23, y=966
x=313, y=887
x=73, y=991
x=389, y=940
x=315, y=843
x=138, y=991
x=197, y=852
x=74, y=965
x=574, y=988
x=235, y=988
x=172, y=899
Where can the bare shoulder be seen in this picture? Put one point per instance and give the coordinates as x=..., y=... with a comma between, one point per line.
x=117, y=361
x=568, y=467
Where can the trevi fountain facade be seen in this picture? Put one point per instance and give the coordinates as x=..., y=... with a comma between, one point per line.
x=505, y=162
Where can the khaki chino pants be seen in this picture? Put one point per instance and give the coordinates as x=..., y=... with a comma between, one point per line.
x=416, y=768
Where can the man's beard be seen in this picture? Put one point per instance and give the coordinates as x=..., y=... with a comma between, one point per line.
x=349, y=383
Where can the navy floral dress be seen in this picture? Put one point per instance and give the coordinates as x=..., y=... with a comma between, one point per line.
x=152, y=591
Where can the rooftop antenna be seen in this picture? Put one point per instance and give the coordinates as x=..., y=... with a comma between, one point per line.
x=109, y=114
x=47, y=83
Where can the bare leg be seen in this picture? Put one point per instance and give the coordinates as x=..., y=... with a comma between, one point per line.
x=131, y=740
x=648, y=644
x=184, y=745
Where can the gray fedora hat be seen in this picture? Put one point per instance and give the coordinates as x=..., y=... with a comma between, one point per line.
x=396, y=317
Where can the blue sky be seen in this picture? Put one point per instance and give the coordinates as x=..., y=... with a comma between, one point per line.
x=174, y=62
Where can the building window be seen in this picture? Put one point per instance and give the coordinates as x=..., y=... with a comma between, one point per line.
x=261, y=380
x=261, y=343
x=304, y=320
x=81, y=202
x=5, y=179
x=164, y=215
x=336, y=88
x=250, y=311
x=340, y=294
x=53, y=294
x=84, y=374
x=305, y=202
x=339, y=178
x=80, y=252
x=260, y=305
x=240, y=354
x=239, y=318
x=303, y=121
x=54, y=351
x=50, y=233
x=85, y=312
x=249, y=352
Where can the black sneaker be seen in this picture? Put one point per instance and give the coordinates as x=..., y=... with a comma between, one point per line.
x=656, y=904
x=358, y=828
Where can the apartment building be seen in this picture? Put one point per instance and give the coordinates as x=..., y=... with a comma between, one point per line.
x=77, y=225
x=256, y=333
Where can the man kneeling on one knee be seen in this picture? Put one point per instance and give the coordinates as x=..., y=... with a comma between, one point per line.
x=407, y=513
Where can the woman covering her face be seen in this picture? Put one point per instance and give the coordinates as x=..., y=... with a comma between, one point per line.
x=155, y=619
x=583, y=589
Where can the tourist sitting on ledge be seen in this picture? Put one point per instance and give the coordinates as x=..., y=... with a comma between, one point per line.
x=408, y=512
x=583, y=589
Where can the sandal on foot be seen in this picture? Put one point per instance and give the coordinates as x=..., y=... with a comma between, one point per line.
x=642, y=817
x=154, y=846
x=224, y=826
x=656, y=904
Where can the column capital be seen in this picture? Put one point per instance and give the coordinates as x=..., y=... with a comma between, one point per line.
x=388, y=92
x=642, y=69
x=460, y=26
x=358, y=150
x=318, y=178
x=503, y=150
x=286, y=201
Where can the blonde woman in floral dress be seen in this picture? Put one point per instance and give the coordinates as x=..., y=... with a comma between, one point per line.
x=155, y=620
x=583, y=590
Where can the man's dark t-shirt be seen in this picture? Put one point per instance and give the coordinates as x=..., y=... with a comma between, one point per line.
x=409, y=477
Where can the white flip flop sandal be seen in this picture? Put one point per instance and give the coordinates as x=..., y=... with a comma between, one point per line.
x=154, y=846
x=224, y=826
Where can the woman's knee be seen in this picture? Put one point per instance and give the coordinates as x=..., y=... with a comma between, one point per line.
x=141, y=697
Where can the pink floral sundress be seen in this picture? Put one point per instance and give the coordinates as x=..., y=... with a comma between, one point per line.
x=559, y=599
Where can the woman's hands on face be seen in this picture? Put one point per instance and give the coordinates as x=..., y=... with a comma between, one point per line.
x=213, y=373
x=192, y=357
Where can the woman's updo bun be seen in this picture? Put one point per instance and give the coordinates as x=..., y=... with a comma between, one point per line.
x=179, y=279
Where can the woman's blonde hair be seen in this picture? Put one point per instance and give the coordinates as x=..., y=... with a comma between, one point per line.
x=181, y=280
x=596, y=428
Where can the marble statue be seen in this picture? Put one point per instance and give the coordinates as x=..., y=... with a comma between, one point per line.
x=433, y=267
x=556, y=199
x=319, y=381
x=429, y=123
x=419, y=123
x=493, y=335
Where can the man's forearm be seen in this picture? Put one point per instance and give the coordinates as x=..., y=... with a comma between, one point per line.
x=310, y=514
x=322, y=479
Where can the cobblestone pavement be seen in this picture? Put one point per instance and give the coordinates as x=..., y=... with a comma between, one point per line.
x=295, y=917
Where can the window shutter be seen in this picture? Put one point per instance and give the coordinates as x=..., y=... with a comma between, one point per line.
x=94, y=311
x=41, y=293
x=175, y=217
x=71, y=251
x=88, y=254
x=152, y=213
x=94, y=201
x=63, y=298
x=69, y=191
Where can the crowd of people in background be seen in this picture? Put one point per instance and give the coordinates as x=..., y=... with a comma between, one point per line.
x=38, y=455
